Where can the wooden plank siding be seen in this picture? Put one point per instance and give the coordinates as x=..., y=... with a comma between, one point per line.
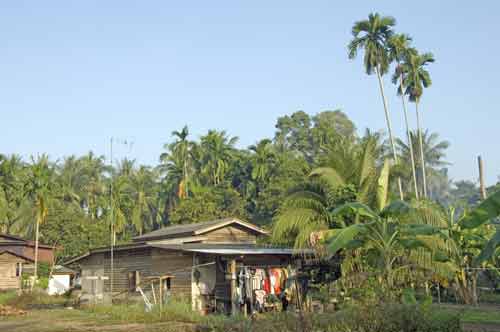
x=147, y=261
x=126, y=261
x=8, y=279
x=230, y=234
x=177, y=264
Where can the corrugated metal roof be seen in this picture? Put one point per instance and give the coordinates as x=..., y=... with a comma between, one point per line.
x=233, y=249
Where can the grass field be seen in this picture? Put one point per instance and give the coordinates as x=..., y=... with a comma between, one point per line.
x=178, y=317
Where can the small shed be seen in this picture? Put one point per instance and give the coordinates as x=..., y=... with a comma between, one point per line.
x=11, y=269
x=61, y=280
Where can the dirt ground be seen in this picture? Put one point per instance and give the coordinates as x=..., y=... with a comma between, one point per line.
x=64, y=320
x=59, y=321
x=481, y=327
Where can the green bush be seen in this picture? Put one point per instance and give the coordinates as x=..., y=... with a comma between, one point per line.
x=7, y=296
x=386, y=318
x=394, y=318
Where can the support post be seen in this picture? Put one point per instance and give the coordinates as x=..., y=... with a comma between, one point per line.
x=232, y=270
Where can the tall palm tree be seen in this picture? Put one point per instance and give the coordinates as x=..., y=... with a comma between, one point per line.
x=70, y=180
x=119, y=205
x=143, y=185
x=39, y=187
x=93, y=187
x=262, y=161
x=12, y=200
x=180, y=153
x=399, y=46
x=372, y=36
x=415, y=79
x=216, y=149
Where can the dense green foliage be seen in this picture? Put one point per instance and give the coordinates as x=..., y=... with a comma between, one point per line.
x=195, y=180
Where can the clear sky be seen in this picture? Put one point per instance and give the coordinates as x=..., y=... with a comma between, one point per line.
x=75, y=73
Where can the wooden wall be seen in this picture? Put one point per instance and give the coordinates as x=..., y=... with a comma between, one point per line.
x=90, y=267
x=176, y=263
x=230, y=234
x=148, y=261
x=8, y=279
x=126, y=261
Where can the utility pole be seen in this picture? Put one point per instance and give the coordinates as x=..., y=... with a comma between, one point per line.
x=482, y=187
x=112, y=221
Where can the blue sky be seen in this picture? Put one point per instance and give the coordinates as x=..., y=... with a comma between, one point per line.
x=75, y=73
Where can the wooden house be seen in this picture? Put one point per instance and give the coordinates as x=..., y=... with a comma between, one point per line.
x=201, y=261
x=17, y=253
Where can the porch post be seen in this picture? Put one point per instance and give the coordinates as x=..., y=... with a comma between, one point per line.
x=232, y=270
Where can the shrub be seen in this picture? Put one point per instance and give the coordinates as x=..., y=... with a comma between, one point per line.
x=35, y=298
x=394, y=318
x=387, y=318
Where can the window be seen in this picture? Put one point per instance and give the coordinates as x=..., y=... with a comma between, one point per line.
x=19, y=269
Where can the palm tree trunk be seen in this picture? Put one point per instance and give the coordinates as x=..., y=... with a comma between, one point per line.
x=35, y=273
x=421, y=143
x=389, y=128
x=405, y=111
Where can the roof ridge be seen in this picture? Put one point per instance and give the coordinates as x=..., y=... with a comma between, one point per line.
x=191, y=228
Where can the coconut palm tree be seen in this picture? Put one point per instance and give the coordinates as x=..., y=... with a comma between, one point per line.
x=12, y=172
x=93, y=186
x=262, y=161
x=143, y=186
x=399, y=46
x=180, y=153
x=372, y=36
x=415, y=79
x=216, y=152
x=40, y=188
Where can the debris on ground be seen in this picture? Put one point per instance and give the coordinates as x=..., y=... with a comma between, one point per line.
x=6, y=310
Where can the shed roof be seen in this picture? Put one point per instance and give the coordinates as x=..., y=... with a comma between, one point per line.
x=16, y=255
x=197, y=229
x=14, y=240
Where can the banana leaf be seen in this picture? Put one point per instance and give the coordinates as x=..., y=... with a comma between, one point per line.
x=484, y=212
x=355, y=208
x=488, y=250
x=345, y=237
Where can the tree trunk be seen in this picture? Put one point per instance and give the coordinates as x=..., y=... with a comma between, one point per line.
x=35, y=273
x=389, y=128
x=421, y=146
x=410, y=143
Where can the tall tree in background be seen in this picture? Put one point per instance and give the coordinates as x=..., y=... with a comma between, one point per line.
x=39, y=187
x=399, y=47
x=415, y=79
x=434, y=152
x=372, y=36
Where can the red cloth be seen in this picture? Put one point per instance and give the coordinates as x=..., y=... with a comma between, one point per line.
x=267, y=285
